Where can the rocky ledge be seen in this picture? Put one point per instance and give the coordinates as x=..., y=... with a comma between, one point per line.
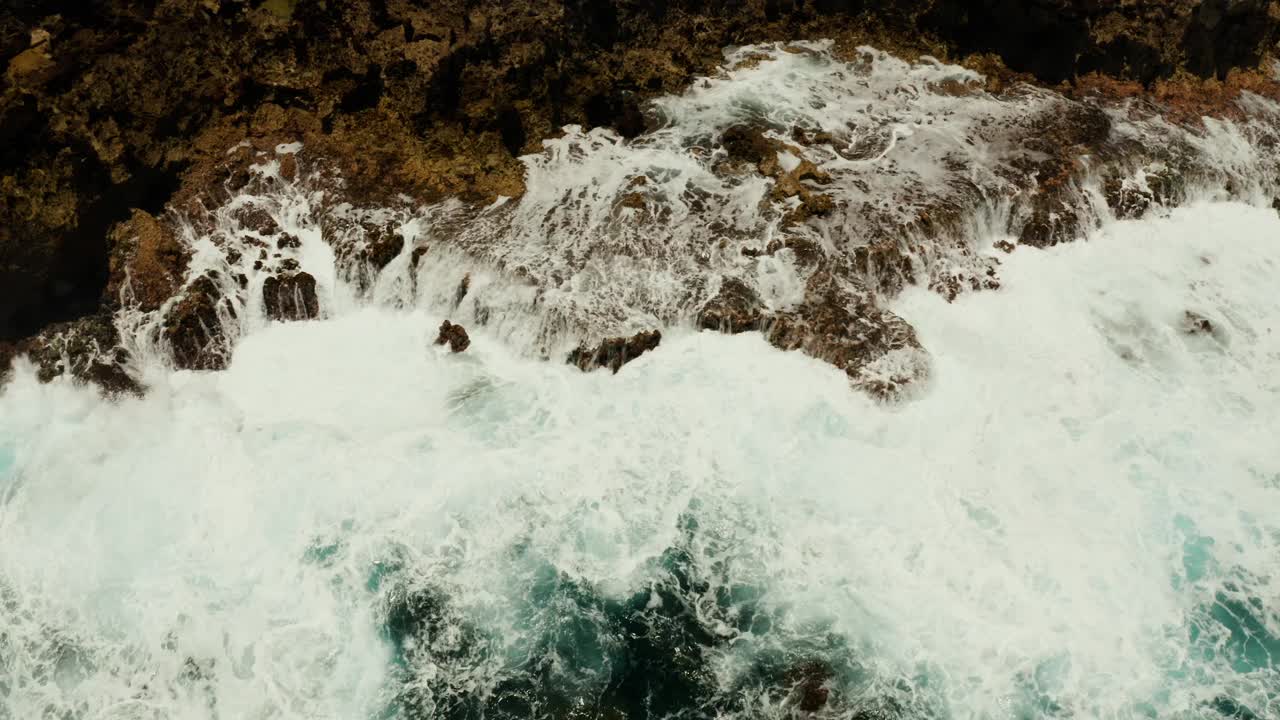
x=114, y=114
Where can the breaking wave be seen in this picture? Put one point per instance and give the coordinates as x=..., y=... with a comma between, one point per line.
x=1076, y=516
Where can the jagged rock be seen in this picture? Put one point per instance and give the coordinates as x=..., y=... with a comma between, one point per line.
x=748, y=143
x=1052, y=221
x=455, y=336
x=89, y=128
x=87, y=350
x=613, y=353
x=146, y=257
x=193, y=326
x=838, y=324
x=1129, y=199
x=735, y=309
x=464, y=285
x=257, y=219
x=291, y=297
x=383, y=245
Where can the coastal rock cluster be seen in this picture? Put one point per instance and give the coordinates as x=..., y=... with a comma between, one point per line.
x=114, y=114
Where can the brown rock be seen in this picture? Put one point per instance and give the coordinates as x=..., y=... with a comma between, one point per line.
x=613, y=353
x=384, y=245
x=748, y=143
x=735, y=309
x=291, y=297
x=257, y=219
x=193, y=326
x=148, y=259
x=455, y=336
x=840, y=325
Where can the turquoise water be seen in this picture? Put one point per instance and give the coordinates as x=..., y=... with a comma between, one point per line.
x=1076, y=518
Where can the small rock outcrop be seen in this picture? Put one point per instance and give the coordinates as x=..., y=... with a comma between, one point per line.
x=455, y=336
x=291, y=297
x=735, y=309
x=147, y=262
x=87, y=350
x=613, y=353
x=837, y=323
x=194, y=327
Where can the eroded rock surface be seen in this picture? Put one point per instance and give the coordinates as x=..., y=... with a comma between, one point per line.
x=112, y=112
x=108, y=107
x=291, y=297
x=455, y=336
x=194, y=326
x=613, y=353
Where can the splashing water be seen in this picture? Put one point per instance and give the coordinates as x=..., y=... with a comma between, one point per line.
x=1078, y=519
x=1078, y=516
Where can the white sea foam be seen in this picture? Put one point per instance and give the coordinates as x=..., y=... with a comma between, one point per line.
x=1036, y=535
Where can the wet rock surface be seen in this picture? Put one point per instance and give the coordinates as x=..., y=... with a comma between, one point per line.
x=87, y=350
x=291, y=297
x=148, y=263
x=194, y=326
x=613, y=353
x=455, y=336
x=111, y=113
x=118, y=104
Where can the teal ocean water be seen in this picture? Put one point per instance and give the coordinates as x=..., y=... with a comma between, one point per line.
x=1077, y=517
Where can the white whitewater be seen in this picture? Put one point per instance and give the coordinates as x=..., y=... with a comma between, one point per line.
x=1077, y=517
x=1042, y=529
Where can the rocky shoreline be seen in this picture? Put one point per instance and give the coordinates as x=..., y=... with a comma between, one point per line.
x=128, y=126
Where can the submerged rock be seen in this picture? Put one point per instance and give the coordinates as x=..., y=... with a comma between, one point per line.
x=613, y=353
x=455, y=336
x=291, y=297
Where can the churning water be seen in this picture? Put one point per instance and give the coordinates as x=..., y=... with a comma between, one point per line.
x=1077, y=517
x=1080, y=516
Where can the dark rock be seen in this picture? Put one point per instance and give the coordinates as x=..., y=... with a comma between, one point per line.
x=1193, y=323
x=1052, y=221
x=416, y=257
x=87, y=350
x=840, y=325
x=257, y=219
x=291, y=297
x=748, y=143
x=613, y=353
x=384, y=244
x=455, y=336
x=464, y=286
x=735, y=309
x=193, y=327
x=809, y=681
x=288, y=242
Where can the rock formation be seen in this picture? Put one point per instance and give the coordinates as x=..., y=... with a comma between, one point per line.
x=291, y=297
x=112, y=112
x=613, y=353
x=455, y=336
